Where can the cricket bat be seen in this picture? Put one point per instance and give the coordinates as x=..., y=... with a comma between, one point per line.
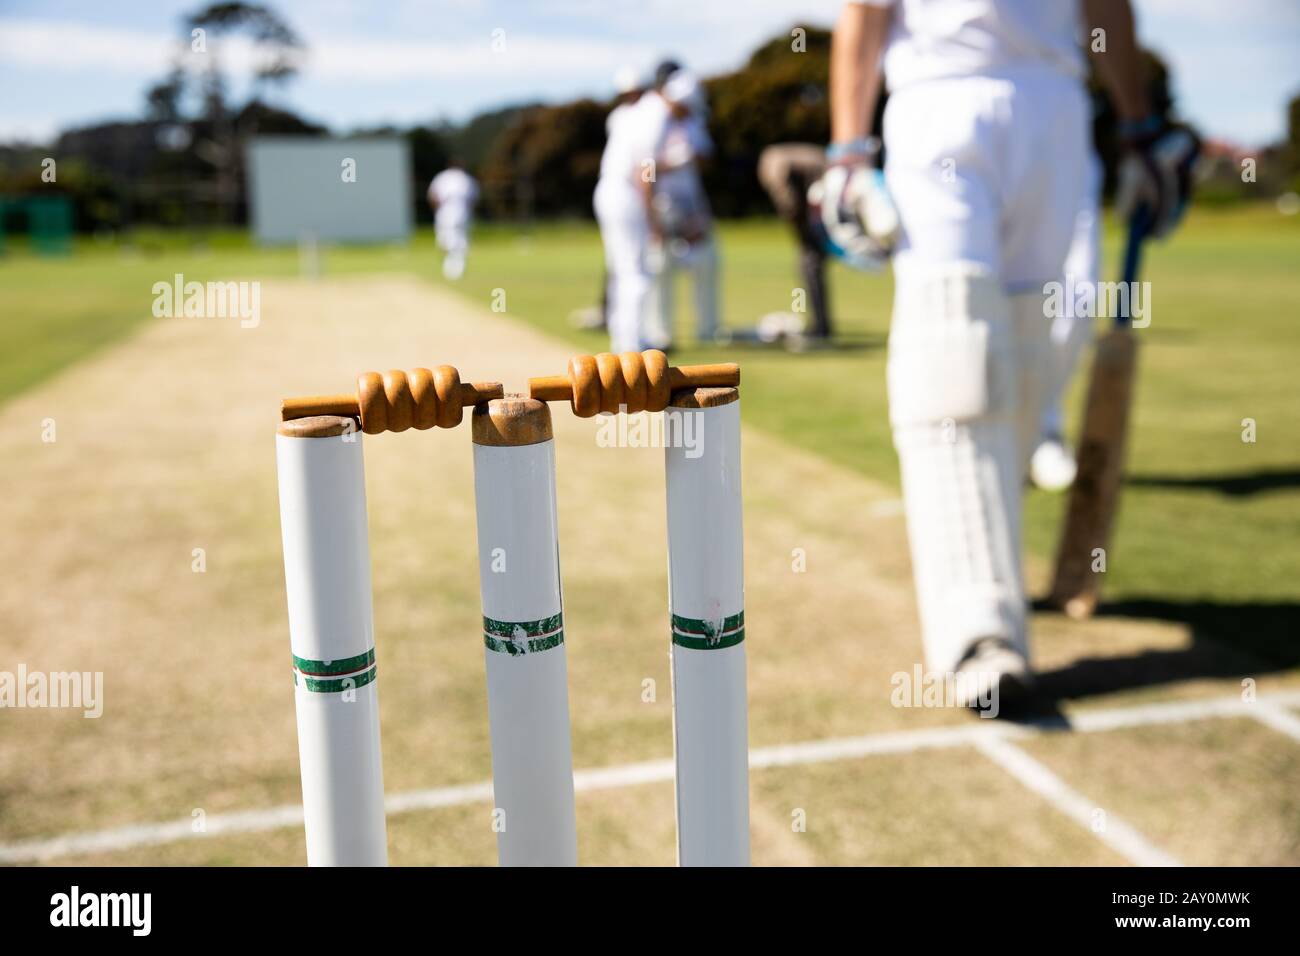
x=1094, y=496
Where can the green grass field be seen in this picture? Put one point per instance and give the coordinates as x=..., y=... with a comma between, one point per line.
x=1209, y=523
x=164, y=447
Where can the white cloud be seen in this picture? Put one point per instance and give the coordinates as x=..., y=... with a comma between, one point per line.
x=29, y=131
x=59, y=45
x=67, y=47
x=687, y=14
x=524, y=56
x=399, y=60
x=1217, y=13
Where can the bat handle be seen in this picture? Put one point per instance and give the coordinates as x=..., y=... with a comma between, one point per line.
x=1139, y=225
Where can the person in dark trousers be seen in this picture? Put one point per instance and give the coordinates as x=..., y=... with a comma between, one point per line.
x=786, y=170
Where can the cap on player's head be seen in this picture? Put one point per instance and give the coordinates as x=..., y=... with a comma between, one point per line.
x=664, y=70
x=626, y=80
x=683, y=90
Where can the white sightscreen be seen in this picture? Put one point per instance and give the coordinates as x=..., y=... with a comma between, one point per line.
x=297, y=185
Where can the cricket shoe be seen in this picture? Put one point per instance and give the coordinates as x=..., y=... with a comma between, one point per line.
x=591, y=319
x=453, y=267
x=993, y=677
x=1052, y=466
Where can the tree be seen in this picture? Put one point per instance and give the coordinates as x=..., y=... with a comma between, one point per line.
x=1292, y=145
x=275, y=42
x=220, y=129
x=778, y=96
x=546, y=161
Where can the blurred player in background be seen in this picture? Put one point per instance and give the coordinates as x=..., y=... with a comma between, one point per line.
x=627, y=90
x=685, y=238
x=988, y=149
x=452, y=195
x=624, y=205
x=786, y=170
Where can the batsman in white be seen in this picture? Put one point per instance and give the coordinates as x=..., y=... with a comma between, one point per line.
x=1052, y=466
x=452, y=195
x=623, y=202
x=987, y=151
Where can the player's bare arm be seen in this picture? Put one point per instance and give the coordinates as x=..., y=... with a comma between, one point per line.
x=856, y=48
x=1156, y=174
x=1119, y=64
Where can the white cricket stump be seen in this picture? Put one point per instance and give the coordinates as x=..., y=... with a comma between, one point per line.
x=707, y=604
x=331, y=633
x=523, y=634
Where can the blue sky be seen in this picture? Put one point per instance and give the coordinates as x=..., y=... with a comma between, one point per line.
x=64, y=62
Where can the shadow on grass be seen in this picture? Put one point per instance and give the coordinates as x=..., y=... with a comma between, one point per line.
x=1235, y=640
x=1235, y=486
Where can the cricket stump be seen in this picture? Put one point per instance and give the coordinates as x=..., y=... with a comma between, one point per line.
x=707, y=607
x=331, y=633
x=523, y=633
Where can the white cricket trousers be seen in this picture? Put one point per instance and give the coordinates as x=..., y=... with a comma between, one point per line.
x=1072, y=333
x=451, y=228
x=989, y=171
x=452, y=232
x=625, y=234
x=988, y=174
x=700, y=261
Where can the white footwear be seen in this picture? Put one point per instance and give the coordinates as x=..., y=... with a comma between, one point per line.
x=776, y=326
x=1052, y=466
x=992, y=676
x=592, y=318
x=453, y=266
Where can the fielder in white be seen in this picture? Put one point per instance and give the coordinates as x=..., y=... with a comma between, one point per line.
x=685, y=240
x=452, y=195
x=623, y=202
x=987, y=155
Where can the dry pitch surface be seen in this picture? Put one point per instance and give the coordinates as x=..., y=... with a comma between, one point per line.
x=165, y=445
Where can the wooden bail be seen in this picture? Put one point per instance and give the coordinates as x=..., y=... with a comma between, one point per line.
x=636, y=381
x=396, y=400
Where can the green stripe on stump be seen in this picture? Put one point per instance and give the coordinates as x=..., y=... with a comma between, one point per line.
x=523, y=637
x=700, y=635
x=324, y=668
x=336, y=685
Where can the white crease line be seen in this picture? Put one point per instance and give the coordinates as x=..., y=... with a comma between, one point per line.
x=849, y=748
x=435, y=799
x=1115, y=833
x=151, y=834
x=1095, y=721
x=653, y=771
x=626, y=775
x=1277, y=717
x=886, y=508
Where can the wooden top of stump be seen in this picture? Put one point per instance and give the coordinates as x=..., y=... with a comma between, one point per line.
x=704, y=397
x=319, y=426
x=511, y=422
